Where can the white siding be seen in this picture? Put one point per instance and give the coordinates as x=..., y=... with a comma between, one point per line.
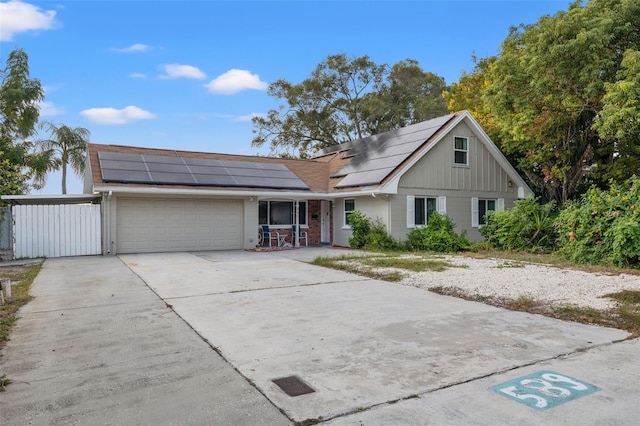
x=56, y=230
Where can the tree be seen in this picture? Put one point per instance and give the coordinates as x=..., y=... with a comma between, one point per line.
x=409, y=95
x=347, y=99
x=19, y=112
x=467, y=94
x=546, y=91
x=619, y=120
x=322, y=110
x=67, y=147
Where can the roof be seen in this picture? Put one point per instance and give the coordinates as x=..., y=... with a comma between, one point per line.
x=375, y=157
x=120, y=166
x=51, y=199
x=374, y=163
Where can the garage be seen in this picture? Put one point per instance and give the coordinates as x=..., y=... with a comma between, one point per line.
x=163, y=225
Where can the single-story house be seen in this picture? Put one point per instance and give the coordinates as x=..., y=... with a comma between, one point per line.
x=174, y=200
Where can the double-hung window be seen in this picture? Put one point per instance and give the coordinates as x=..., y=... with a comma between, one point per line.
x=461, y=151
x=282, y=213
x=424, y=208
x=349, y=207
x=480, y=207
x=421, y=208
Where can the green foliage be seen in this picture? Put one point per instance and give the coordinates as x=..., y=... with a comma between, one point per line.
x=19, y=112
x=546, y=97
x=603, y=227
x=66, y=147
x=369, y=235
x=360, y=229
x=438, y=236
x=528, y=226
x=346, y=99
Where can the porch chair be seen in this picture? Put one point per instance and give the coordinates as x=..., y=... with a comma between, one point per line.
x=268, y=235
x=303, y=236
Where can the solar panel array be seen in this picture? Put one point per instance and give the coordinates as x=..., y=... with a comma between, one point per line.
x=176, y=170
x=375, y=157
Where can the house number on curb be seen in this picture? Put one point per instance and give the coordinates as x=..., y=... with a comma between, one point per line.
x=544, y=389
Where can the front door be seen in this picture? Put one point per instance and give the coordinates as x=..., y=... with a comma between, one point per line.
x=325, y=228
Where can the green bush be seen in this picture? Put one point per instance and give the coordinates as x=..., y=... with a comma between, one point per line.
x=528, y=226
x=360, y=229
x=370, y=235
x=437, y=236
x=603, y=227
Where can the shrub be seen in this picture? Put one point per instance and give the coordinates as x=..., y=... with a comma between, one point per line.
x=437, y=236
x=603, y=227
x=370, y=235
x=360, y=229
x=528, y=226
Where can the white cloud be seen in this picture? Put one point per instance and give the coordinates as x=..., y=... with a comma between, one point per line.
x=48, y=109
x=234, y=81
x=116, y=116
x=182, y=71
x=134, y=48
x=19, y=17
x=137, y=75
x=249, y=117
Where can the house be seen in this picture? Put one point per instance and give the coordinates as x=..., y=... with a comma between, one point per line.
x=171, y=200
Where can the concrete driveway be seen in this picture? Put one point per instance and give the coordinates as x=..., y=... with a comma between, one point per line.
x=373, y=353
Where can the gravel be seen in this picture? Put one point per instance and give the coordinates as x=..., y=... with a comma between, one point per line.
x=511, y=279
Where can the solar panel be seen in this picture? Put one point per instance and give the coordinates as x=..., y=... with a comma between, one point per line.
x=375, y=157
x=177, y=170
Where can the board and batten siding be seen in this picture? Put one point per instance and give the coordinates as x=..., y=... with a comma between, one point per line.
x=436, y=175
x=58, y=230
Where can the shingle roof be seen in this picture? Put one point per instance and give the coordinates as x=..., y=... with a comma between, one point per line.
x=362, y=164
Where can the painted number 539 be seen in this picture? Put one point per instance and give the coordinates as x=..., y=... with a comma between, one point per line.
x=549, y=385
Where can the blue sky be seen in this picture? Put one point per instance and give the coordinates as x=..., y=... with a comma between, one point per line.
x=190, y=74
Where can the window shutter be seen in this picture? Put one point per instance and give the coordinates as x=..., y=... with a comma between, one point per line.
x=500, y=205
x=411, y=205
x=475, y=222
x=442, y=205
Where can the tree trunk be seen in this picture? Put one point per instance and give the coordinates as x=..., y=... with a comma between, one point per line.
x=64, y=178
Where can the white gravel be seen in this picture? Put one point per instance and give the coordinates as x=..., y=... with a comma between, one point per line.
x=512, y=279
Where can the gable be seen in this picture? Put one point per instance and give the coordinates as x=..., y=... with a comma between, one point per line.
x=437, y=170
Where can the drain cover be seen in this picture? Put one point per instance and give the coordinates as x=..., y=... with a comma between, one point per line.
x=293, y=386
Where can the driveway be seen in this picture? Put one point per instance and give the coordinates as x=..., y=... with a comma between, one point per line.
x=371, y=352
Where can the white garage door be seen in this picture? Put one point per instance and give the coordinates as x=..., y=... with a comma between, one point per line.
x=157, y=225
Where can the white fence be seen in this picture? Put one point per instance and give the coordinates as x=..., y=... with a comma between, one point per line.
x=56, y=230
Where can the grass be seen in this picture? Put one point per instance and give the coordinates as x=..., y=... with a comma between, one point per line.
x=388, y=266
x=21, y=279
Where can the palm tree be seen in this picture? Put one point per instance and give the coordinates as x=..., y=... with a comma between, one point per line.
x=67, y=146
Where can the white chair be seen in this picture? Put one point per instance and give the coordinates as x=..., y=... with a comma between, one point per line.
x=303, y=236
x=268, y=235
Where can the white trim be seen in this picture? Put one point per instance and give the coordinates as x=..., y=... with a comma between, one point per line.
x=442, y=205
x=500, y=205
x=466, y=151
x=411, y=205
x=345, y=225
x=475, y=220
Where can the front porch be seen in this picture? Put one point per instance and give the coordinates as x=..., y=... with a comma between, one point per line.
x=313, y=217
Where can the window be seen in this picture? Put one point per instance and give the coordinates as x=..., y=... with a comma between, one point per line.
x=424, y=208
x=349, y=207
x=281, y=212
x=420, y=209
x=460, y=151
x=480, y=207
x=483, y=207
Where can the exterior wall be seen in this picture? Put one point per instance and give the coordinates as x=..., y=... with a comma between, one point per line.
x=436, y=175
x=376, y=208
